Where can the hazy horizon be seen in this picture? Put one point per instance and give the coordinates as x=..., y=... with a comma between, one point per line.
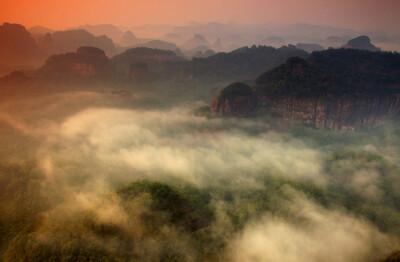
x=356, y=14
x=200, y=131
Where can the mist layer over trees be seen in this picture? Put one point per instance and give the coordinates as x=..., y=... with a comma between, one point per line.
x=100, y=175
x=113, y=153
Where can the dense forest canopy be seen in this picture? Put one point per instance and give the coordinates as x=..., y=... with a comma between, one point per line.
x=334, y=71
x=242, y=63
x=112, y=158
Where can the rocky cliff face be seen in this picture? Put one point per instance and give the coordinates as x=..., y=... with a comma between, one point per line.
x=16, y=45
x=238, y=106
x=85, y=61
x=337, y=89
x=363, y=43
x=333, y=112
x=138, y=72
x=236, y=99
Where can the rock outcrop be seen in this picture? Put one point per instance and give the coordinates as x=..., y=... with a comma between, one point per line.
x=138, y=71
x=335, y=89
x=330, y=112
x=363, y=43
x=237, y=99
x=86, y=61
x=17, y=45
x=333, y=112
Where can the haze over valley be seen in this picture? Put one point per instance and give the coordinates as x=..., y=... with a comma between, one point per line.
x=176, y=140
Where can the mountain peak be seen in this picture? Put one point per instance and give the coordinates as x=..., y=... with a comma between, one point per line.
x=362, y=42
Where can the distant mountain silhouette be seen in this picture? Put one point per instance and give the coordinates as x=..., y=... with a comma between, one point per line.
x=217, y=46
x=86, y=61
x=158, y=44
x=39, y=30
x=45, y=44
x=274, y=41
x=309, y=47
x=197, y=40
x=200, y=51
x=205, y=54
x=363, y=43
x=335, y=41
x=173, y=37
x=334, y=71
x=242, y=63
x=70, y=40
x=154, y=58
x=236, y=35
x=128, y=39
x=17, y=47
x=162, y=45
x=15, y=77
x=111, y=31
x=340, y=89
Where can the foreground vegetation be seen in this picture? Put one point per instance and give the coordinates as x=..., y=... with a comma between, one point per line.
x=173, y=220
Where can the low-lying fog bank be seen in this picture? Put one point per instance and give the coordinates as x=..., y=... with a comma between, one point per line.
x=90, y=176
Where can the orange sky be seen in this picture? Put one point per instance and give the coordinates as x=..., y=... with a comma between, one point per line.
x=58, y=14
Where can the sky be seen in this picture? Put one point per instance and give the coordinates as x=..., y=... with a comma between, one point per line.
x=60, y=14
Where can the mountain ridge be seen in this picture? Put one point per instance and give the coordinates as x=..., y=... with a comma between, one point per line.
x=358, y=92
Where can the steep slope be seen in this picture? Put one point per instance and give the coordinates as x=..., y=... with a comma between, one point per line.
x=16, y=45
x=361, y=42
x=236, y=99
x=337, y=89
x=86, y=61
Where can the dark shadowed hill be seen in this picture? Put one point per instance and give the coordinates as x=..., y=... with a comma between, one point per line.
x=337, y=88
x=362, y=42
x=334, y=71
x=243, y=63
x=16, y=45
x=86, y=61
x=154, y=58
x=70, y=40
